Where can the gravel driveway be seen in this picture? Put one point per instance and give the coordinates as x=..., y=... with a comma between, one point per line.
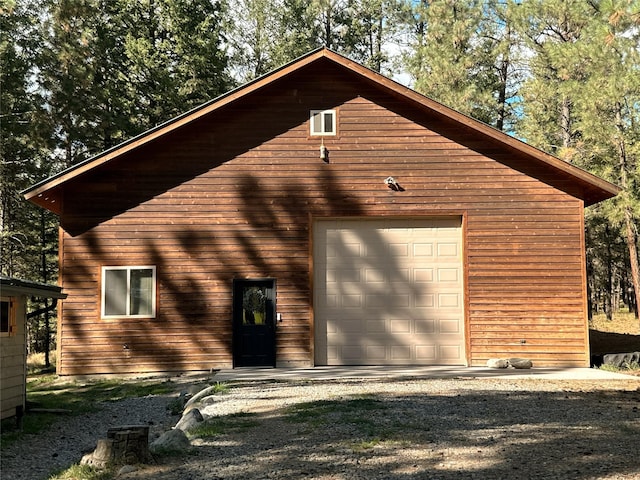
x=384, y=428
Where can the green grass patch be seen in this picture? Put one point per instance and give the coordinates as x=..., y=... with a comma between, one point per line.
x=311, y=412
x=356, y=411
x=37, y=365
x=176, y=406
x=367, y=444
x=324, y=409
x=49, y=392
x=216, y=426
x=632, y=367
x=220, y=388
x=363, y=418
x=83, y=472
x=84, y=397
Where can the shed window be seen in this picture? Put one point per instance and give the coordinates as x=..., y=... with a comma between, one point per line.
x=7, y=316
x=129, y=292
x=323, y=122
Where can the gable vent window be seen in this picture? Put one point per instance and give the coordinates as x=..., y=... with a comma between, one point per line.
x=128, y=292
x=323, y=122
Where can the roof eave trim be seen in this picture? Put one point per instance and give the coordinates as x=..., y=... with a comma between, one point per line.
x=14, y=286
x=487, y=130
x=300, y=62
x=168, y=126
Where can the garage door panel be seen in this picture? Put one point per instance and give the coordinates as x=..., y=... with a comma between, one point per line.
x=426, y=353
x=331, y=326
x=387, y=301
x=351, y=301
x=376, y=325
x=345, y=275
x=399, y=274
x=396, y=298
x=423, y=275
x=331, y=300
x=352, y=353
x=398, y=250
x=452, y=352
x=400, y=353
x=425, y=326
x=423, y=249
x=377, y=352
x=447, y=250
x=449, y=326
x=425, y=300
x=448, y=275
x=397, y=326
x=375, y=275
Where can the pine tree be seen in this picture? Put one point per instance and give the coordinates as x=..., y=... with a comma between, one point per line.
x=23, y=139
x=581, y=101
x=372, y=28
x=461, y=57
x=610, y=118
x=28, y=234
x=554, y=32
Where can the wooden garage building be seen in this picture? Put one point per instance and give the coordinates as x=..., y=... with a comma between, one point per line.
x=14, y=294
x=320, y=215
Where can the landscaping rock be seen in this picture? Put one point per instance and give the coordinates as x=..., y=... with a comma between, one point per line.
x=497, y=363
x=621, y=360
x=520, y=363
x=198, y=397
x=171, y=440
x=190, y=420
x=127, y=469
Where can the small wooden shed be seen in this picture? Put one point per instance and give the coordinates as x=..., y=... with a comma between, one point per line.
x=321, y=215
x=14, y=294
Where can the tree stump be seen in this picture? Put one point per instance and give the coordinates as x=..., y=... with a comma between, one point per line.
x=127, y=444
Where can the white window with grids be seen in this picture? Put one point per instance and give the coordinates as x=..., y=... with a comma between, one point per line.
x=129, y=292
x=323, y=122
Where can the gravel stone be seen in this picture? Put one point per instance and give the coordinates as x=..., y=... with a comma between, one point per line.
x=35, y=457
x=458, y=428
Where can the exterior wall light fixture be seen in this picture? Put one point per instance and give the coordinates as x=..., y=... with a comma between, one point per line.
x=393, y=184
x=324, y=153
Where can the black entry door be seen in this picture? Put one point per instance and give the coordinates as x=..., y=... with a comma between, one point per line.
x=254, y=323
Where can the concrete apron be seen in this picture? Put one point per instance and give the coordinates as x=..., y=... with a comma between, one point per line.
x=334, y=373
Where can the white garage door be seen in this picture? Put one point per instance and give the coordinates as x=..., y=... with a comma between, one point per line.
x=388, y=292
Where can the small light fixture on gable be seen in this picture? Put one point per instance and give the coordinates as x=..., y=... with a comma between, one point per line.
x=324, y=153
x=393, y=184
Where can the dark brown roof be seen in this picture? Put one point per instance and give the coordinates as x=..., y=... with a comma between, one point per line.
x=539, y=164
x=16, y=286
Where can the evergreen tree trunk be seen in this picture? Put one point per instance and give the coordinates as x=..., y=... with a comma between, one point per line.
x=628, y=222
x=565, y=122
x=45, y=279
x=502, y=93
x=608, y=297
x=630, y=237
x=633, y=257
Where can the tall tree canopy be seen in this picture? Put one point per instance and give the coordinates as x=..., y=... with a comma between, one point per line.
x=581, y=101
x=80, y=76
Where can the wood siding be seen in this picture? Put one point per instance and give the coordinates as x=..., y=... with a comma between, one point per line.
x=13, y=362
x=234, y=195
